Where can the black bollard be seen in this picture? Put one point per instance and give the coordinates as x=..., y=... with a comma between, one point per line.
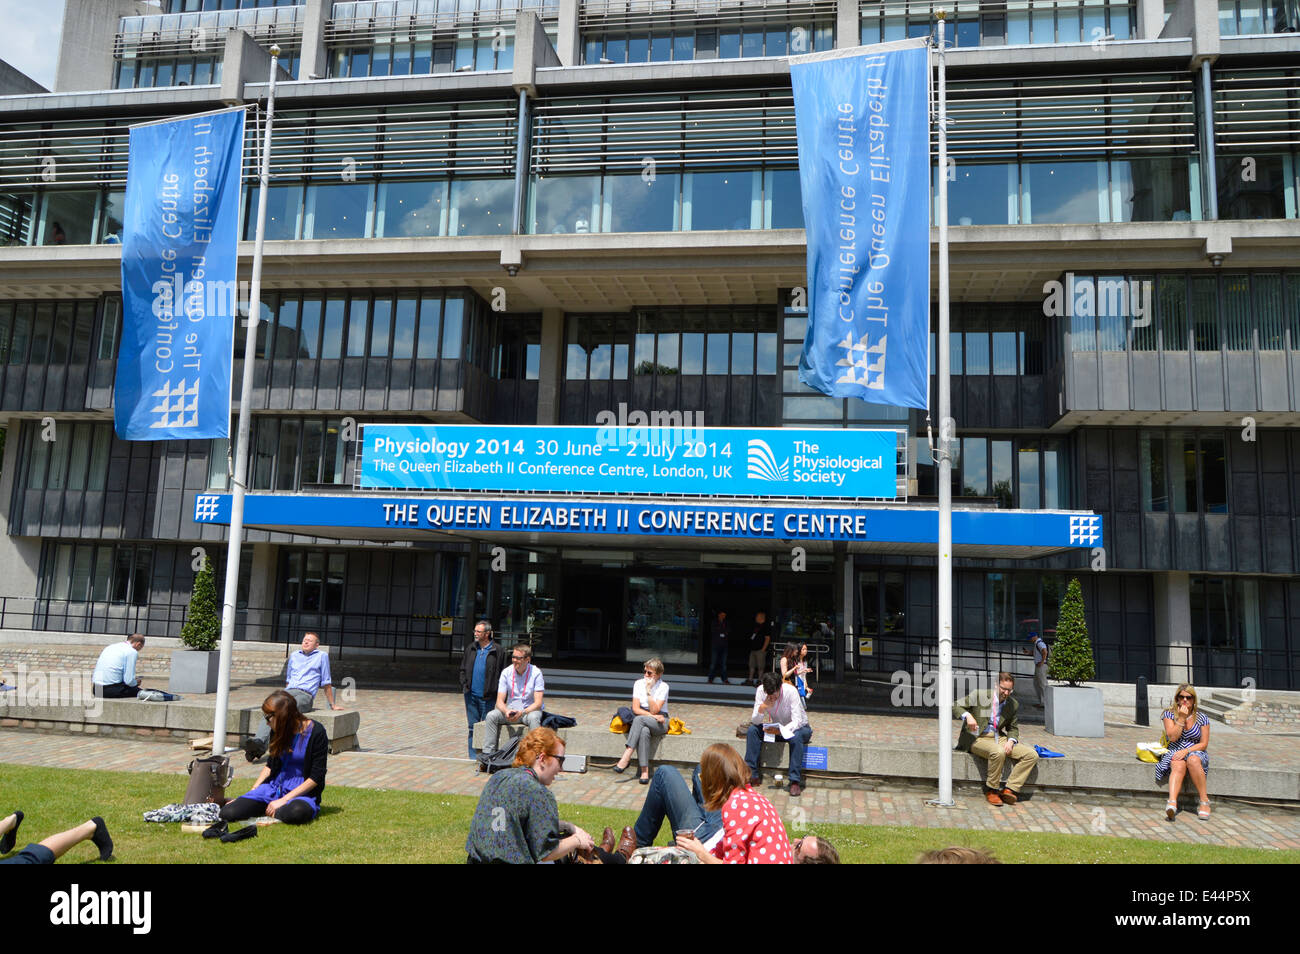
x=1142, y=716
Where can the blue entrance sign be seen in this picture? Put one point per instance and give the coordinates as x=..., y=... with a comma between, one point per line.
x=179, y=292
x=864, y=166
x=719, y=461
x=816, y=757
x=318, y=515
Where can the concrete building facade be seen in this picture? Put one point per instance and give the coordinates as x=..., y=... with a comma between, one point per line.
x=533, y=213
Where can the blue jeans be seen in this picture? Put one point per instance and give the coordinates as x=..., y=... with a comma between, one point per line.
x=669, y=798
x=718, y=667
x=798, y=742
x=476, y=710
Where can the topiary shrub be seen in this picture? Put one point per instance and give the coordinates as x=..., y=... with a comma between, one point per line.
x=202, y=629
x=1071, y=657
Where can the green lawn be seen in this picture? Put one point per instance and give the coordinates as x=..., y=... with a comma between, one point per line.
x=369, y=826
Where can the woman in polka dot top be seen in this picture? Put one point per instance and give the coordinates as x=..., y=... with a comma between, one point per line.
x=752, y=832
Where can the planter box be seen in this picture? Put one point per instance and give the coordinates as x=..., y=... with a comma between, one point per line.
x=194, y=671
x=1075, y=711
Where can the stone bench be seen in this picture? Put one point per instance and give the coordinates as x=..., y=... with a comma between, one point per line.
x=181, y=721
x=922, y=765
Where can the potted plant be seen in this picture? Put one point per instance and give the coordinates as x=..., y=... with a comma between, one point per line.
x=1073, y=709
x=195, y=668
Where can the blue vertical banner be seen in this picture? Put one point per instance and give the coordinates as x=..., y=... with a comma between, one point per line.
x=864, y=166
x=179, y=283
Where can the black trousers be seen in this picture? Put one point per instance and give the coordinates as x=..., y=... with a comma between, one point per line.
x=293, y=813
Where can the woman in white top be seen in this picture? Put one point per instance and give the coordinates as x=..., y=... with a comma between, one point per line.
x=649, y=702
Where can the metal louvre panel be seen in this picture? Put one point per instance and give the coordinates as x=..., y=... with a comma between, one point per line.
x=423, y=22
x=183, y=34
x=412, y=140
x=1063, y=115
x=608, y=15
x=1257, y=108
x=427, y=139
x=739, y=127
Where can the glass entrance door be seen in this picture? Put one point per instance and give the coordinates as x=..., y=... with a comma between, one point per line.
x=663, y=619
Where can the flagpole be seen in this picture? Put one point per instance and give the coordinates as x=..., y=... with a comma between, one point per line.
x=945, y=456
x=240, y=479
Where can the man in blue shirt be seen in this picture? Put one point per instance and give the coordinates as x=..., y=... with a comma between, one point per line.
x=114, y=676
x=479, y=672
x=307, y=672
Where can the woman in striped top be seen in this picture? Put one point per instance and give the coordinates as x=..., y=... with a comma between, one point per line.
x=1188, y=731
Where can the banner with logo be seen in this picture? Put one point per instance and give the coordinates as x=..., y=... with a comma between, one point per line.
x=710, y=461
x=864, y=166
x=179, y=282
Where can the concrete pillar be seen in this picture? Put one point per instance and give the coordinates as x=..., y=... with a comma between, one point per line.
x=20, y=557
x=86, y=46
x=1173, y=636
x=261, y=592
x=567, y=40
x=550, y=375
x=1151, y=19
x=848, y=25
x=244, y=62
x=314, y=60
x=846, y=628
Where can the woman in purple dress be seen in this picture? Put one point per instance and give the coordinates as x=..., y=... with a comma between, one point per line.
x=1188, y=732
x=293, y=779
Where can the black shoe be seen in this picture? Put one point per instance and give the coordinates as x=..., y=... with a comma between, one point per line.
x=101, y=840
x=216, y=829
x=254, y=749
x=11, y=836
x=239, y=834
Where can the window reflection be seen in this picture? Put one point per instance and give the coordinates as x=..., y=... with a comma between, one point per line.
x=481, y=206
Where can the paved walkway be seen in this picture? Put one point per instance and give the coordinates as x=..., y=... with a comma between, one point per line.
x=416, y=741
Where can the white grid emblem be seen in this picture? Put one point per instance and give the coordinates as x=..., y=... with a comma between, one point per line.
x=205, y=508
x=177, y=402
x=1085, y=530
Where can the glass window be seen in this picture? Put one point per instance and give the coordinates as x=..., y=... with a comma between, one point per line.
x=974, y=467
x=1172, y=312
x=1155, y=495
x=404, y=329
x=1064, y=192
x=481, y=206
x=1001, y=472
x=742, y=353
x=338, y=211
x=381, y=328
x=635, y=205
x=332, y=336
x=1027, y=471
x=977, y=352
x=357, y=309
x=142, y=575
x=286, y=464
x=452, y=327
x=983, y=193
x=68, y=218
x=785, y=198
x=412, y=208
x=1214, y=474
x=721, y=200
x=719, y=347
x=566, y=204
x=283, y=205
x=430, y=320
x=1205, y=313
x=265, y=442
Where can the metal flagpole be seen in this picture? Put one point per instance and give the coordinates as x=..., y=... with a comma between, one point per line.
x=946, y=428
x=241, y=445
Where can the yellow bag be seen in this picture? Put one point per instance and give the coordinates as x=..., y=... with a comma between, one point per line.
x=1150, y=751
x=617, y=726
x=677, y=727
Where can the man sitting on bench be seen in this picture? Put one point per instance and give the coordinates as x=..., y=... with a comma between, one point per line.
x=114, y=676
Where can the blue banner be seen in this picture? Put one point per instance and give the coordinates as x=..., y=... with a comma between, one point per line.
x=1017, y=534
x=864, y=167
x=179, y=283
x=711, y=461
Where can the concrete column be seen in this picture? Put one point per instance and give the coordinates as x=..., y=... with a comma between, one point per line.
x=1151, y=19
x=314, y=61
x=261, y=592
x=1173, y=627
x=848, y=25
x=846, y=628
x=86, y=46
x=20, y=557
x=244, y=62
x=552, y=366
x=567, y=40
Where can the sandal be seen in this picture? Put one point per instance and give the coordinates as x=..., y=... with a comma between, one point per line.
x=1203, y=811
x=1171, y=809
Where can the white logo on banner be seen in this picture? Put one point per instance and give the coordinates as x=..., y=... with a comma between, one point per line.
x=763, y=465
x=858, y=358
x=205, y=508
x=1084, y=530
x=174, y=403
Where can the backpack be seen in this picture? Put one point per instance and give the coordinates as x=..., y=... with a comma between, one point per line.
x=502, y=758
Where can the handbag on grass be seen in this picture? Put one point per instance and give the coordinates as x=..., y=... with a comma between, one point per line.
x=208, y=780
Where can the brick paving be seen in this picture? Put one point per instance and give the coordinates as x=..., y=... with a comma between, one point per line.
x=414, y=740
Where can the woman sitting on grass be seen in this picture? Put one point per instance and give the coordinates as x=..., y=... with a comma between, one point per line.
x=293, y=779
x=752, y=832
x=517, y=821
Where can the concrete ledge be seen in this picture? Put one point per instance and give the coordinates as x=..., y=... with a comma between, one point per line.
x=1118, y=775
x=181, y=720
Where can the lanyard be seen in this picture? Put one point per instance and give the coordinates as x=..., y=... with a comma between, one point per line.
x=514, y=690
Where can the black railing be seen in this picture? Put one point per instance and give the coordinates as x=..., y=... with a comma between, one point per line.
x=1115, y=662
x=340, y=631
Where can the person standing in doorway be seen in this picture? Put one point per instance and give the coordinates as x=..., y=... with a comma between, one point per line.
x=718, y=665
x=479, y=671
x=1040, y=668
x=759, y=640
